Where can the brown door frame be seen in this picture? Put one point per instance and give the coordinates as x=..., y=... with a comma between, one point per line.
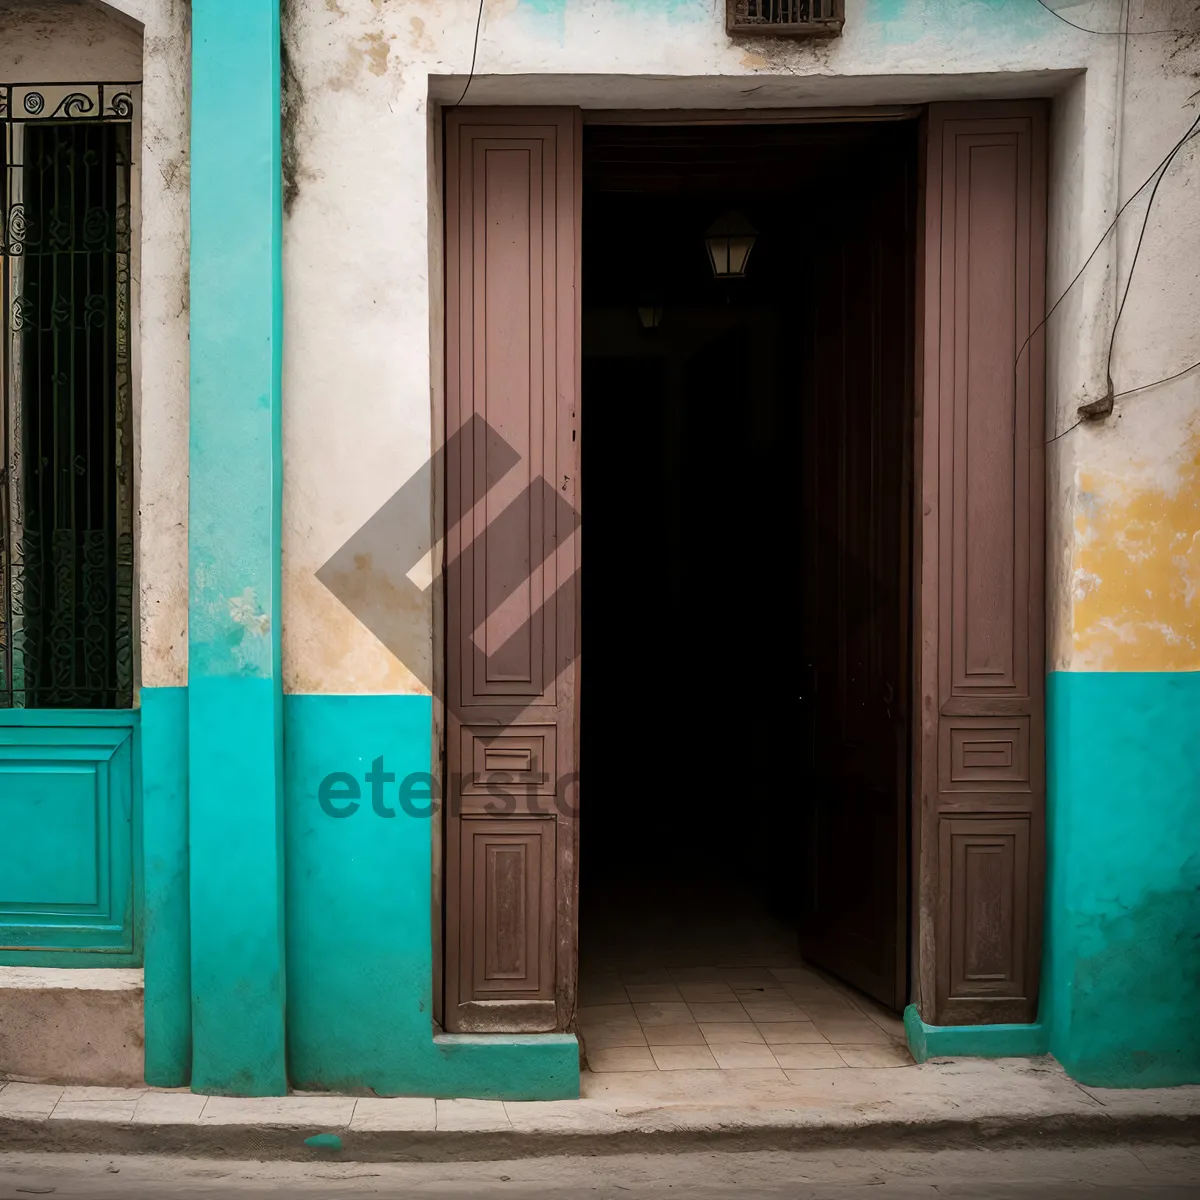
x=925, y=917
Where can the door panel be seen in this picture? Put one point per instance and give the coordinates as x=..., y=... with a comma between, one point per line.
x=854, y=914
x=507, y=882
x=981, y=669
x=512, y=553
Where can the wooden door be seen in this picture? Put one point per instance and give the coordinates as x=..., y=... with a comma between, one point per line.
x=981, y=659
x=512, y=554
x=854, y=803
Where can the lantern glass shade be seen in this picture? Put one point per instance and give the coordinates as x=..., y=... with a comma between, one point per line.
x=650, y=315
x=729, y=240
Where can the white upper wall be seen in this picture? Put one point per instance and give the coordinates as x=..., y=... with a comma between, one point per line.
x=362, y=350
x=362, y=234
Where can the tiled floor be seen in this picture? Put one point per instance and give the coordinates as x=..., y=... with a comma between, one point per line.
x=709, y=1018
x=646, y=1006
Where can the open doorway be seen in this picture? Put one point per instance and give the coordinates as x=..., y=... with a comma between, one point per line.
x=747, y=466
x=750, y=689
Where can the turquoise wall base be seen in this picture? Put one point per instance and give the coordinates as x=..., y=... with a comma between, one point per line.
x=973, y=1041
x=1121, y=972
x=1121, y=981
x=359, y=920
x=165, y=918
x=1121, y=978
x=235, y=822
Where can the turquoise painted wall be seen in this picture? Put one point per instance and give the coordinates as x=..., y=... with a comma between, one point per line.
x=359, y=939
x=235, y=793
x=165, y=922
x=1121, y=984
x=1120, y=993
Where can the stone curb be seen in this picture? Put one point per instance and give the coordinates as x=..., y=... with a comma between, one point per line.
x=673, y=1132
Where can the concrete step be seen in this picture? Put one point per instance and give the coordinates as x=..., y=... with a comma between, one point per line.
x=76, y=1026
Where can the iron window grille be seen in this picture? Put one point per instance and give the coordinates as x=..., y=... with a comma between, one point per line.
x=66, y=428
x=785, y=18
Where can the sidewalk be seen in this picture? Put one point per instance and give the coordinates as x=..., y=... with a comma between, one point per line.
x=943, y=1104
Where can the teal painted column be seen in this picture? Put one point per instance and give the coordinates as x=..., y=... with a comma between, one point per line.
x=234, y=679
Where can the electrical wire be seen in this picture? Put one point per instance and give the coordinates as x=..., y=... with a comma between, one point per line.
x=1154, y=177
x=1157, y=176
x=1141, y=387
x=1192, y=129
x=1050, y=441
x=1137, y=250
x=474, y=54
x=1111, y=32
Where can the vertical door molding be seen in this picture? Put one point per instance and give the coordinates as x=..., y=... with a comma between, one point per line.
x=980, y=632
x=512, y=555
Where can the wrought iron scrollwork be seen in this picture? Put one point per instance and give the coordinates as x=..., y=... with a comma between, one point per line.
x=16, y=231
x=66, y=484
x=68, y=102
x=74, y=106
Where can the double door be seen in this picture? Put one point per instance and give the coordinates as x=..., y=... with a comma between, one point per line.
x=943, y=832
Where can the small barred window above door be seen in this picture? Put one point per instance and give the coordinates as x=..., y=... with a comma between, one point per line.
x=785, y=18
x=66, y=428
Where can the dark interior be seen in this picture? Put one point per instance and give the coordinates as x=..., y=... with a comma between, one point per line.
x=701, y=616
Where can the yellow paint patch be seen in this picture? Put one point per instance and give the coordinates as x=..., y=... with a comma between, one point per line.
x=1136, y=576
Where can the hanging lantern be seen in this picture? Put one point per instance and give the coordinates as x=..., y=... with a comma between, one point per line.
x=729, y=240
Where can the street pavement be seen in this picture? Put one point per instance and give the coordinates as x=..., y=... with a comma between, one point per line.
x=1127, y=1171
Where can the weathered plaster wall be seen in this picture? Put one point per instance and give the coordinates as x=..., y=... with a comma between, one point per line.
x=1134, y=528
x=1123, y=839
x=358, y=256
x=61, y=41
x=68, y=40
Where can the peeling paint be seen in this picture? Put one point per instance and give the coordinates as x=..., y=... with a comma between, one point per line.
x=327, y=649
x=1136, y=568
x=244, y=610
x=419, y=38
x=376, y=53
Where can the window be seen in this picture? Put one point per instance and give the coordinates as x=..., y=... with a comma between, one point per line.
x=66, y=476
x=787, y=18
